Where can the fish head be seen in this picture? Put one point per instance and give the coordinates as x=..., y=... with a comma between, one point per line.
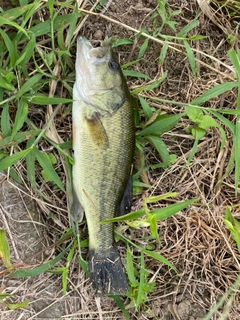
x=99, y=79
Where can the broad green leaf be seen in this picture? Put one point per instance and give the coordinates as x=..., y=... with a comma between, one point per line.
x=4, y=249
x=191, y=58
x=194, y=114
x=46, y=165
x=163, y=123
x=146, y=108
x=214, y=92
x=161, y=147
x=9, y=161
x=169, y=211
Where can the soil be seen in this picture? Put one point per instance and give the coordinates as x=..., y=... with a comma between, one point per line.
x=195, y=241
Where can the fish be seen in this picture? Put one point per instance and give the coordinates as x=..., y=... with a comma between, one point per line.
x=103, y=135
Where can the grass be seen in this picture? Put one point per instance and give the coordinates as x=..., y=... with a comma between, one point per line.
x=37, y=74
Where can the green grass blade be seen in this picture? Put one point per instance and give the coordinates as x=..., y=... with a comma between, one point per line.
x=141, y=281
x=169, y=211
x=224, y=120
x=21, y=116
x=14, y=306
x=120, y=304
x=231, y=291
x=4, y=21
x=5, y=85
x=44, y=100
x=146, y=108
x=133, y=73
x=160, y=197
x=46, y=165
x=161, y=125
x=214, y=92
x=11, y=160
x=28, y=51
x=45, y=27
x=130, y=216
x=163, y=54
x=161, y=147
x=190, y=26
x=28, y=85
x=22, y=273
x=159, y=258
x=18, y=138
x=151, y=86
x=130, y=268
x=14, y=13
x=10, y=48
x=143, y=49
x=5, y=122
x=4, y=249
x=191, y=58
x=30, y=163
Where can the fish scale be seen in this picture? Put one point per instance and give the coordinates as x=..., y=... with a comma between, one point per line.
x=103, y=144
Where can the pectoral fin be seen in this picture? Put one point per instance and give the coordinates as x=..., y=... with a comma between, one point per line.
x=97, y=131
x=77, y=210
x=125, y=204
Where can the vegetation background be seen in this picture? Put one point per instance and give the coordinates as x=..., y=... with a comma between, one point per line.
x=181, y=243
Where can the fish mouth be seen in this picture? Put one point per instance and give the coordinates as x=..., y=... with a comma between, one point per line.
x=89, y=53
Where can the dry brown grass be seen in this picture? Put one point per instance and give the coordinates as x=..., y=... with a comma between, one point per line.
x=195, y=241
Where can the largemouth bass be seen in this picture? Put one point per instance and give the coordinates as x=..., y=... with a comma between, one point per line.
x=103, y=146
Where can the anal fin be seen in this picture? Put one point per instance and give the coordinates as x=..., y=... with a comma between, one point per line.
x=125, y=204
x=77, y=210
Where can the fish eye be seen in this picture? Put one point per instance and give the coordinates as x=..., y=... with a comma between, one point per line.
x=113, y=65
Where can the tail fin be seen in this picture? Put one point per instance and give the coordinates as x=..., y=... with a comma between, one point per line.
x=106, y=272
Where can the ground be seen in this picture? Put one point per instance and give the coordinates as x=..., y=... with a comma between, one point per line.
x=195, y=240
